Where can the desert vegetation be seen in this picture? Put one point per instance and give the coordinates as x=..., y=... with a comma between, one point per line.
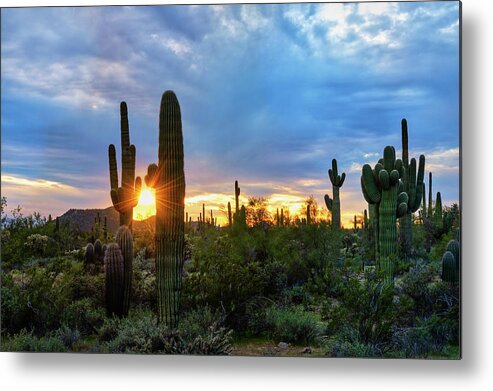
x=263, y=284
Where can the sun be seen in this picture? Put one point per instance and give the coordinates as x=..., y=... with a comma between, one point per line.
x=146, y=206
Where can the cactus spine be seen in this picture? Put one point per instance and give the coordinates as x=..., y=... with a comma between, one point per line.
x=381, y=187
x=334, y=204
x=168, y=178
x=124, y=240
x=126, y=197
x=113, y=273
x=414, y=187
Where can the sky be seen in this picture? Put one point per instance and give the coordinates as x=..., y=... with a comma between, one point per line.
x=269, y=95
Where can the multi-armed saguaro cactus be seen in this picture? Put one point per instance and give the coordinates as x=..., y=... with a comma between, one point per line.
x=125, y=197
x=124, y=240
x=334, y=205
x=168, y=178
x=381, y=186
x=414, y=187
x=113, y=273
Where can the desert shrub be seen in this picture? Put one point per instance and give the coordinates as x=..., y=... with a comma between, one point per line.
x=294, y=325
x=142, y=334
x=27, y=342
x=144, y=282
x=37, y=297
x=429, y=336
x=347, y=343
x=417, y=285
x=225, y=275
x=83, y=316
x=68, y=336
x=367, y=309
x=198, y=321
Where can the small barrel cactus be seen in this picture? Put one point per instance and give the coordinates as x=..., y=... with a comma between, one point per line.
x=449, y=268
x=89, y=255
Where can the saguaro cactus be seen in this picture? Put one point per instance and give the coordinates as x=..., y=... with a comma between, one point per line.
x=334, y=205
x=230, y=216
x=308, y=215
x=126, y=197
x=430, y=195
x=124, y=240
x=113, y=273
x=237, y=197
x=414, y=187
x=381, y=187
x=438, y=217
x=168, y=178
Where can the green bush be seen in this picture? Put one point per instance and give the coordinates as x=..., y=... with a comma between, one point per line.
x=366, y=308
x=27, y=342
x=294, y=325
x=141, y=334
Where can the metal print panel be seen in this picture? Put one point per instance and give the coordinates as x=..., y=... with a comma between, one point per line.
x=243, y=179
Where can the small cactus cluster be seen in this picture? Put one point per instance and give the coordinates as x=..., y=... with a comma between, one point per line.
x=94, y=253
x=451, y=262
x=334, y=204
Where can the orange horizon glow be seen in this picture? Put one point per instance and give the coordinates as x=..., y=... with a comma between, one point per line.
x=293, y=206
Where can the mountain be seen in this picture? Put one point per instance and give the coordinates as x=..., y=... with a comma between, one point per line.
x=84, y=219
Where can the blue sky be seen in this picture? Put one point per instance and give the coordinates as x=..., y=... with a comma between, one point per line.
x=269, y=95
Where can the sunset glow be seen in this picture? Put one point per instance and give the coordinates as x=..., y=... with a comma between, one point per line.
x=146, y=206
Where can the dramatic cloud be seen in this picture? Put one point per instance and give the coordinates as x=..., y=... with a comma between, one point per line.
x=269, y=94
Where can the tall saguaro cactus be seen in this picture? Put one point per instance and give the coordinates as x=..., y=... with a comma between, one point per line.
x=126, y=196
x=381, y=186
x=414, y=187
x=334, y=204
x=168, y=178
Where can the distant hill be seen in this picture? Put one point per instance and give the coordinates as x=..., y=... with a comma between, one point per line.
x=84, y=219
